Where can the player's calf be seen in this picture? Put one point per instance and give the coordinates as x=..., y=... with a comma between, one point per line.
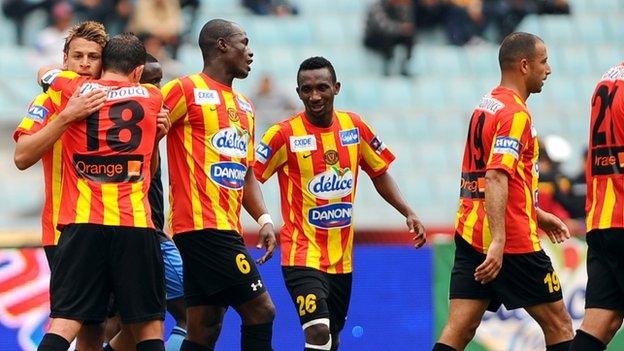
x=257, y=329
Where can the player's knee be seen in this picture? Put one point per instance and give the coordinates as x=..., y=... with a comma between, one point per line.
x=462, y=333
x=317, y=334
x=206, y=333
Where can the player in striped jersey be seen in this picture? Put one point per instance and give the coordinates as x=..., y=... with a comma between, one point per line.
x=107, y=238
x=604, y=301
x=317, y=155
x=210, y=154
x=498, y=256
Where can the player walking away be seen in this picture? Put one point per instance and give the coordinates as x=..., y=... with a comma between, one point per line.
x=317, y=155
x=152, y=74
x=107, y=241
x=498, y=255
x=210, y=154
x=604, y=302
x=38, y=137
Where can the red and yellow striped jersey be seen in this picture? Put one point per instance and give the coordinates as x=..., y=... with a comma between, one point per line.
x=500, y=136
x=40, y=112
x=605, y=158
x=209, y=149
x=106, y=157
x=317, y=171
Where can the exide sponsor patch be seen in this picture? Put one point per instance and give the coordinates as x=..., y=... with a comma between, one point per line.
x=230, y=175
x=302, y=143
x=109, y=169
x=331, y=216
x=507, y=145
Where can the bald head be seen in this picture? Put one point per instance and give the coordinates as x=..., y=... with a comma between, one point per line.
x=214, y=30
x=515, y=47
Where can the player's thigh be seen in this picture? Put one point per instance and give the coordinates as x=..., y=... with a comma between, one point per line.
x=138, y=274
x=602, y=323
x=338, y=300
x=79, y=286
x=218, y=269
x=527, y=280
x=463, y=286
x=309, y=290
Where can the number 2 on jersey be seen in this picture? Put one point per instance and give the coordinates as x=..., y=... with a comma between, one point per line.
x=606, y=99
x=133, y=132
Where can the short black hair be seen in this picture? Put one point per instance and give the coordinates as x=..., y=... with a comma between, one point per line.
x=317, y=62
x=515, y=47
x=123, y=53
x=212, y=31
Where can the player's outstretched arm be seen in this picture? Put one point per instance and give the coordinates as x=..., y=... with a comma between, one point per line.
x=496, y=191
x=389, y=190
x=30, y=148
x=253, y=202
x=554, y=227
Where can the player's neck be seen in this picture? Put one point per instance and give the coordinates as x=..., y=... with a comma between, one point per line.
x=114, y=77
x=324, y=121
x=218, y=75
x=519, y=89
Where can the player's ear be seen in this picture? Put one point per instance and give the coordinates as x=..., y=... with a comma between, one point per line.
x=137, y=73
x=222, y=44
x=524, y=65
x=336, y=88
x=65, y=61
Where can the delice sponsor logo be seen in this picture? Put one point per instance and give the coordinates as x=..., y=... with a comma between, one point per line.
x=330, y=216
x=349, y=137
x=507, y=145
x=332, y=184
x=230, y=175
x=231, y=141
x=263, y=152
x=38, y=113
x=302, y=143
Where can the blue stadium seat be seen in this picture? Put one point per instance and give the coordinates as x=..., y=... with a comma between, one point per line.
x=593, y=29
x=558, y=30
x=530, y=24
x=482, y=60
x=574, y=60
x=329, y=30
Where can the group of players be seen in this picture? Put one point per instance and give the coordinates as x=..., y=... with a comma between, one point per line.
x=97, y=128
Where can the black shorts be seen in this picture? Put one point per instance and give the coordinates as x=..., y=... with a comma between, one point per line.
x=50, y=250
x=318, y=294
x=524, y=280
x=605, y=264
x=218, y=270
x=92, y=261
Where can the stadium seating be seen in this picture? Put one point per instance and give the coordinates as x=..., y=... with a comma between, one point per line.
x=423, y=118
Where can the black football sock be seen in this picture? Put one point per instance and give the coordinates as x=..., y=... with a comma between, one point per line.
x=257, y=337
x=562, y=346
x=442, y=347
x=586, y=342
x=151, y=345
x=193, y=346
x=53, y=342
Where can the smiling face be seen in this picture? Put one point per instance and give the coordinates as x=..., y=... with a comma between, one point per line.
x=317, y=89
x=83, y=57
x=539, y=69
x=239, y=54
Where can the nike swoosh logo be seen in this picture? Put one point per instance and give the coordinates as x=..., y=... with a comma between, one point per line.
x=307, y=155
x=213, y=109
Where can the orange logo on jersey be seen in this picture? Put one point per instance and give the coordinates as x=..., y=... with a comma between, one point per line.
x=134, y=168
x=109, y=169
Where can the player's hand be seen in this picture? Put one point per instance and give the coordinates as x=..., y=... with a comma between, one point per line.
x=554, y=227
x=80, y=107
x=163, y=123
x=417, y=228
x=266, y=238
x=488, y=270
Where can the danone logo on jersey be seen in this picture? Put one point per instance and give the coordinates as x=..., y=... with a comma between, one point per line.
x=349, y=137
x=231, y=141
x=330, y=216
x=334, y=183
x=507, y=145
x=230, y=175
x=38, y=113
x=263, y=152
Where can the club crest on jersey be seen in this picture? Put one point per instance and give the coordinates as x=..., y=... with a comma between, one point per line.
x=349, y=137
x=245, y=106
x=507, y=145
x=38, y=113
x=206, y=97
x=490, y=104
x=230, y=175
x=263, y=152
x=331, y=216
x=231, y=141
x=233, y=114
x=334, y=183
x=302, y=143
x=377, y=145
x=331, y=157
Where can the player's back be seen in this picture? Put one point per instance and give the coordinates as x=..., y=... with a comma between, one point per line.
x=605, y=159
x=106, y=157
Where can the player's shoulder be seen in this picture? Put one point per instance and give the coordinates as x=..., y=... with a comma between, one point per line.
x=503, y=102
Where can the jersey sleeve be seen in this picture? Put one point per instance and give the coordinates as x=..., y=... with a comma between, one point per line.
x=271, y=153
x=38, y=114
x=251, y=153
x=512, y=134
x=376, y=156
x=174, y=100
x=62, y=86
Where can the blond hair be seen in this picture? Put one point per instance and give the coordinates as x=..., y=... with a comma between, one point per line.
x=89, y=30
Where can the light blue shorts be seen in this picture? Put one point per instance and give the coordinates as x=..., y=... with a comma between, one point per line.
x=173, y=270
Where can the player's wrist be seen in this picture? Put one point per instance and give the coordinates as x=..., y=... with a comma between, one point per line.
x=264, y=219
